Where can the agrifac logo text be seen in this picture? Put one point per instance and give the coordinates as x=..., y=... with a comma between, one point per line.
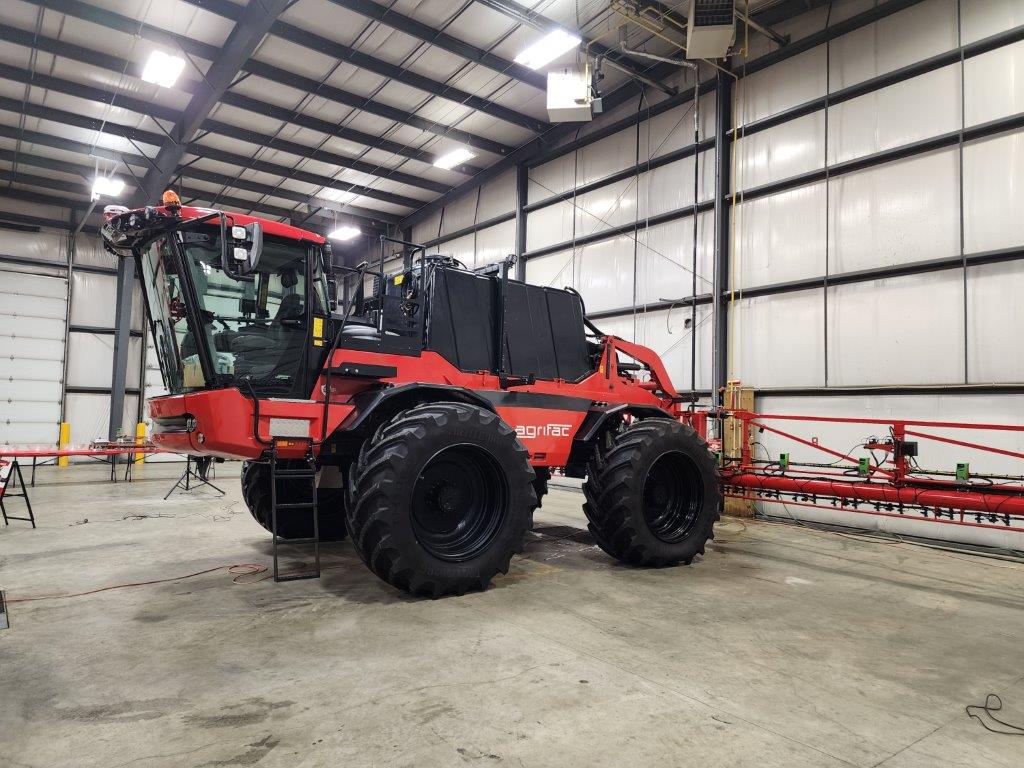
x=529, y=431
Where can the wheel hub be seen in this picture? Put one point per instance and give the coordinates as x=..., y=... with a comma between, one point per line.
x=458, y=503
x=672, y=497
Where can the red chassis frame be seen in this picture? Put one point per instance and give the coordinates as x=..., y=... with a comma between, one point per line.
x=893, y=488
x=545, y=414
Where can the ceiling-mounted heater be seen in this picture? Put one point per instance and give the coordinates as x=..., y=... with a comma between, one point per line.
x=711, y=29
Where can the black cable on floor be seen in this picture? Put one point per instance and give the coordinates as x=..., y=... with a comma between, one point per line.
x=993, y=704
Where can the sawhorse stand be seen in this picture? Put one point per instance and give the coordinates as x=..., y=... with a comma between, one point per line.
x=8, y=481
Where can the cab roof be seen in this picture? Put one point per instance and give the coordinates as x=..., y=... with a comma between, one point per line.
x=276, y=228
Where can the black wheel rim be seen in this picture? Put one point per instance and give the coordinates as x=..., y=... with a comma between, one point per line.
x=459, y=502
x=673, y=497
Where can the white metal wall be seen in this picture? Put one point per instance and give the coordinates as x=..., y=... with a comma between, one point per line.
x=477, y=229
x=648, y=256
x=32, y=316
x=953, y=326
x=43, y=357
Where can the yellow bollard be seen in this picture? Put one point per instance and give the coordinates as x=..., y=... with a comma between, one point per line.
x=62, y=442
x=140, y=437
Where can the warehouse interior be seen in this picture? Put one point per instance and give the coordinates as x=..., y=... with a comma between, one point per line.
x=807, y=210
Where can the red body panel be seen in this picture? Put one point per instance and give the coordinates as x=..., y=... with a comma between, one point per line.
x=224, y=417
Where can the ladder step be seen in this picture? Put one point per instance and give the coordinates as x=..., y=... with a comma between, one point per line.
x=304, y=474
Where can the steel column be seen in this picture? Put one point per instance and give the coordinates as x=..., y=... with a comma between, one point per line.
x=723, y=215
x=522, y=189
x=252, y=26
x=122, y=335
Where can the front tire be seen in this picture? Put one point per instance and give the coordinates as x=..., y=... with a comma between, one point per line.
x=442, y=497
x=292, y=524
x=652, y=495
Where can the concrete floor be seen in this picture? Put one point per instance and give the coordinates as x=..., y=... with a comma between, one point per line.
x=783, y=647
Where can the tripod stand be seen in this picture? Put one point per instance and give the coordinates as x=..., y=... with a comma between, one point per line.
x=194, y=478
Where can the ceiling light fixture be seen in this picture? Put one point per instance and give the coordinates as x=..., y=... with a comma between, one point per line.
x=453, y=158
x=107, y=186
x=345, y=233
x=163, y=69
x=548, y=48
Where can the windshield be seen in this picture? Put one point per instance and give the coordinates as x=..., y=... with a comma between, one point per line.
x=255, y=330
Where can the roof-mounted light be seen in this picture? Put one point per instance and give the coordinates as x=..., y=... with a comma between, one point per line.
x=163, y=69
x=458, y=156
x=106, y=186
x=344, y=233
x=548, y=48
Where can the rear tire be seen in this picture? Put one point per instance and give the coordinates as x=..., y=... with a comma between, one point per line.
x=442, y=497
x=652, y=495
x=540, y=485
x=292, y=524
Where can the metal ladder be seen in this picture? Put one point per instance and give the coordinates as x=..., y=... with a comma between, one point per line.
x=308, y=473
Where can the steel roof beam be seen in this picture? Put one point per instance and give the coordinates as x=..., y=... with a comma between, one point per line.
x=197, y=48
x=612, y=56
x=623, y=93
x=250, y=29
x=330, y=128
x=68, y=145
x=365, y=61
x=371, y=218
x=81, y=204
x=142, y=107
x=444, y=41
x=156, y=139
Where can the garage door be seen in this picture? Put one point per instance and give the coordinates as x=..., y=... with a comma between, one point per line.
x=32, y=316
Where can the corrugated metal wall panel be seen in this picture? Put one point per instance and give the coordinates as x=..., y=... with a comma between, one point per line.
x=604, y=274
x=610, y=206
x=781, y=152
x=993, y=193
x=906, y=330
x=550, y=225
x=994, y=84
x=497, y=197
x=495, y=243
x=915, y=109
x=989, y=17
x=919, y=32
x=673, y=130
x=896, y=213
x=784, y=86
x=779, y=341
x=91, y=358
x=664, y=260
x=994, y=313
x=670, y=187
x=780, y=237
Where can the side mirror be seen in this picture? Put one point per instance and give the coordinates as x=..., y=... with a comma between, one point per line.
x=241, y=248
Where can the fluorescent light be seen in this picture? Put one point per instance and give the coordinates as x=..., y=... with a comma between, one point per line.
x=108, y=186
x=345, y=233
x=548, y=48
x=163, y=69
x=453, y=158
